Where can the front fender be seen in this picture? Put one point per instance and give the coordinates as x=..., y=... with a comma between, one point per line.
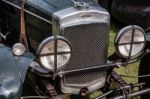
x=12, y=73
x=23, y=63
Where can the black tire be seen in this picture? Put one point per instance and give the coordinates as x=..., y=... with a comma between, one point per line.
x=144, y=69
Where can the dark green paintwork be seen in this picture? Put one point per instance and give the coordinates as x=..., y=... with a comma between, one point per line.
x=12, y=73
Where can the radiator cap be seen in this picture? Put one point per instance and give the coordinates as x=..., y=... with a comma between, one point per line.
x=81, y=5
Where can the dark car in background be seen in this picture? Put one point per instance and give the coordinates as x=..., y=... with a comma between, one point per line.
x=133, y=12
x=65, y=50
x=129, y=11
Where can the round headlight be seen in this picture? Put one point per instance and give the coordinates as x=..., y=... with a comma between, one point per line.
x=130, y=41
x=54, y=52
x=18, y=49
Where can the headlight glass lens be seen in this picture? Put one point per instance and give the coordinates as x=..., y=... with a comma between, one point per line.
x=130, y=42
x=48, y=48
x=62, y=46
x=18, y=49
x=55, y=52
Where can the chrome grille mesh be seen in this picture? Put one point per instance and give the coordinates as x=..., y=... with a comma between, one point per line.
x=85, y=78
x=89, y=43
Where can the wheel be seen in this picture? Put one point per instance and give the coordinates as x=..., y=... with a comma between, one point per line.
x=144, y=69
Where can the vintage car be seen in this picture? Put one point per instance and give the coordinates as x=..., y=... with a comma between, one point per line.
x=129, y=11
x=53, y=49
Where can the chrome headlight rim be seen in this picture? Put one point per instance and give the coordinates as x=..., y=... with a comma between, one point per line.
x=53, y=39
x=121, y=34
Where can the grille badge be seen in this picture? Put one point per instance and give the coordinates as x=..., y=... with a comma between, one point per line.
x=86, y=15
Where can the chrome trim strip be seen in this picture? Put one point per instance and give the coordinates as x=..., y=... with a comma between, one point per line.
x=89, y=68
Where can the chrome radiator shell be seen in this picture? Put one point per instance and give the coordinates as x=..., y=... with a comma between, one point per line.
x=87, y=30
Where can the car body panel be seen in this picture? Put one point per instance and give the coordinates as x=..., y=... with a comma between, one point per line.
x=12, y=73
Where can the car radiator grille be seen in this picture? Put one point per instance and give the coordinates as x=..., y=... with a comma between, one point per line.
x=89, y=48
